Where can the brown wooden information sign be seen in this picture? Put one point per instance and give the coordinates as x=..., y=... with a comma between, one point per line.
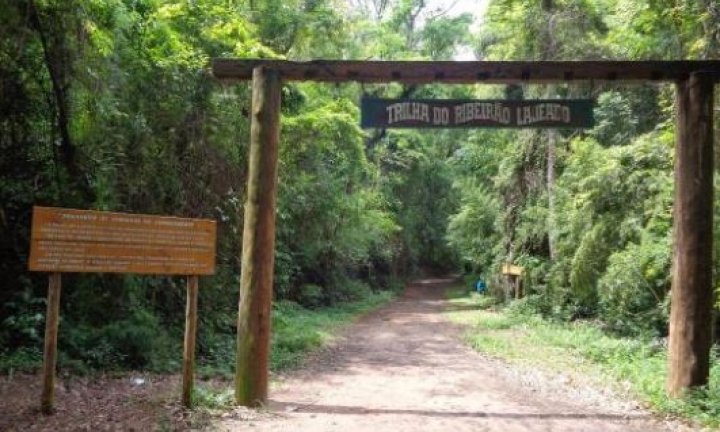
x=65, y=240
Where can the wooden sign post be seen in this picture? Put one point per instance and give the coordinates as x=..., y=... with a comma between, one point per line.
x=188, y=382
x=52, y=317
x=82, y=241
x=514, y=274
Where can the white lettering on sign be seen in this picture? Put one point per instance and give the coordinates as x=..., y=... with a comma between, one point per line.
x=469, y=113
x=404, y=111
x=543, y=112
x=495, y=112
x=441, y=116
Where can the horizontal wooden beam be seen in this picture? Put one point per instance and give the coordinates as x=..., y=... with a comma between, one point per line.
x=467, y=72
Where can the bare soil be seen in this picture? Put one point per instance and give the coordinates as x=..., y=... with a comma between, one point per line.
x=405, y=368
x=99, y=403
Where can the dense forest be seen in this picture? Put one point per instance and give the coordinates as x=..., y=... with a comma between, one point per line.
x=110, y=105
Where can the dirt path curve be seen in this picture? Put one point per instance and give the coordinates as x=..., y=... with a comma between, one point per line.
x=403, y=368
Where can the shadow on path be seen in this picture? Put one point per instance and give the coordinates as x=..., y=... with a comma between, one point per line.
x=358, y=410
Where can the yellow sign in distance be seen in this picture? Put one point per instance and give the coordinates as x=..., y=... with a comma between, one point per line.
x=510, y=269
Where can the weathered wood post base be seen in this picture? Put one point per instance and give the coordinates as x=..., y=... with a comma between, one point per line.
x=518, y=287
x=258, y=253
x=692, y=288
x=52, y=316
x=188, y=383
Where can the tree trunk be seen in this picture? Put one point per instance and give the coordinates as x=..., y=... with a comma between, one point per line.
x=57, y=61
x=551, y=144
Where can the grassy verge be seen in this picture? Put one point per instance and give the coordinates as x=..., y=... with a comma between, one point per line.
x=297, y=330
x=635, y=367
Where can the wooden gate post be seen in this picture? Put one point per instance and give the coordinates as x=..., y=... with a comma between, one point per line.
x=692, y=288
x=258, y=252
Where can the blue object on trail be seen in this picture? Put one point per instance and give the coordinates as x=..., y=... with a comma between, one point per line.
x=480, y=286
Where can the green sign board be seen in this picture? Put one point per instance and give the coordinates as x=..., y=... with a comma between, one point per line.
x=442, y=113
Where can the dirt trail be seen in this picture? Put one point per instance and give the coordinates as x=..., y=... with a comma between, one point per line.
x=404, y=368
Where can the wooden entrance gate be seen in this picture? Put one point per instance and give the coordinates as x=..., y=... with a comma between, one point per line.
x=692, y=288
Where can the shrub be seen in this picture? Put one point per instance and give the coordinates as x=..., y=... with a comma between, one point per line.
x=310, y=296
x=347, y=290
x=139, y=342
x=530, y=305
x=633, y=290
x=23, y=359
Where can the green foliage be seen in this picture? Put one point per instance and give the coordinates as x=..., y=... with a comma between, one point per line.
x=137, y=342
x=615, y=120
x=472, y=231
x=310, y=295
x=332, y=221
x=663, y=29
x=22, y=359
x=213, y=398
x=416, y=172
x=634, y=291
x=527, y=30
x=588, y=214
x=110, y=106
x=609, y=204
x=24, y=320
x=442, y=35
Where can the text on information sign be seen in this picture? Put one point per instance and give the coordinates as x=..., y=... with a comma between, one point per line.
x=66, y=240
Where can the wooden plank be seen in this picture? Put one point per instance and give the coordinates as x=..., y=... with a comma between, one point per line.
x=258, y=253
x=189, y=346
x=68, y=240
x=692, y=285
x=467, y=72
x=52, y=317
x=492, y=113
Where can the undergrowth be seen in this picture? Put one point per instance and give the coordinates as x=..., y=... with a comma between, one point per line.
x=635, y=366
x=296, y=330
